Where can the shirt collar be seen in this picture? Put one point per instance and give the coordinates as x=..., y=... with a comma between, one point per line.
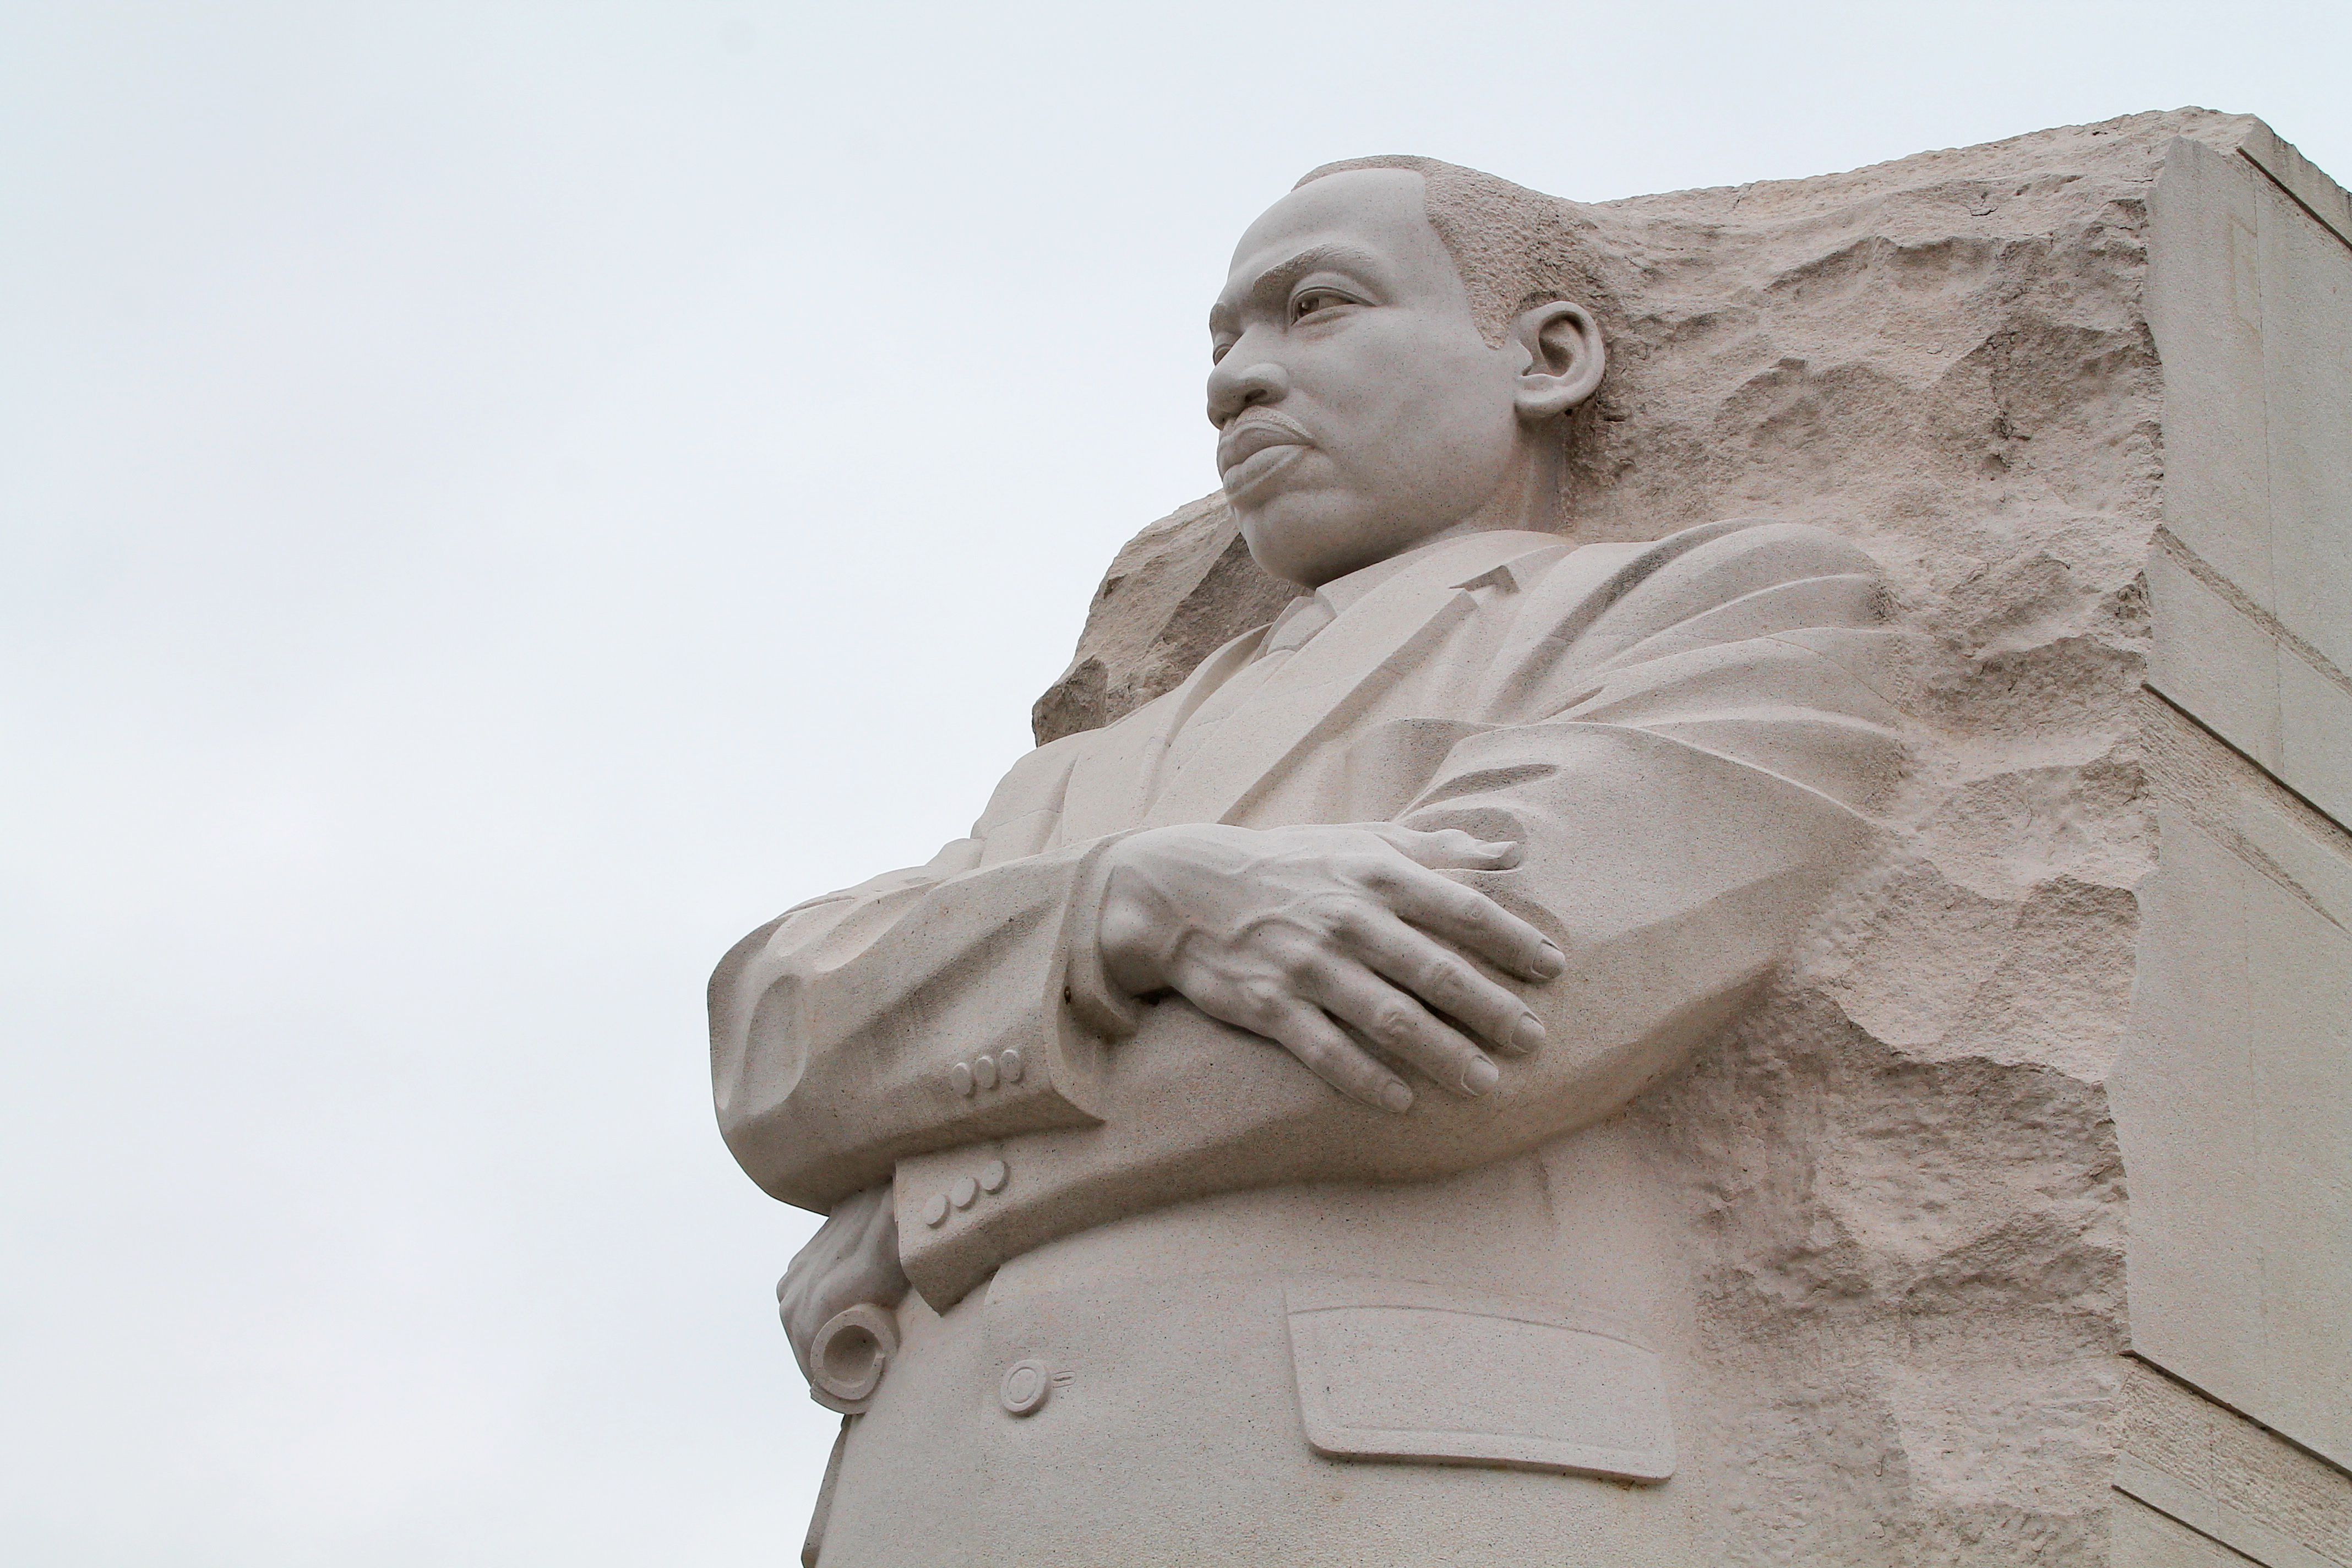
x=1479, y=554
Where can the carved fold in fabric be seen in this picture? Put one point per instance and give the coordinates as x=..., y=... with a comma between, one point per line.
x=1096, y=1003
x=1696, y=803
x=2003, y=367
x=838, y=1029
x=1683, y=816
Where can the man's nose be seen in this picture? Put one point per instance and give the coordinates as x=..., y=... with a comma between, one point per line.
x=1236, y=384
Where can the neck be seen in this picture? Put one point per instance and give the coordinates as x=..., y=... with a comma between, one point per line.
x=1530, y=500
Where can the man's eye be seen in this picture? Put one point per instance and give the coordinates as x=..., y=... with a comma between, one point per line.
x=1315, y=299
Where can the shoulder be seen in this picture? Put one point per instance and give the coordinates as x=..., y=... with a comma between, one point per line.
x=1712, y=559
x=1034, y=783
x=1605, y=595
x=1752, y=583
x=1751, y=549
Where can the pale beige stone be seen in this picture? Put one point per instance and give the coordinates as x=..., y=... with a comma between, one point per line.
x=2236, y=1102
x=1180, y=590
x=2144, y=1538
x=1890, y=1127
x=2224, y=1476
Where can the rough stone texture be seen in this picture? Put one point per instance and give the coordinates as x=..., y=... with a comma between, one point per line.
x=1174, y=593
x=1904, y=1204
x=1946, y=355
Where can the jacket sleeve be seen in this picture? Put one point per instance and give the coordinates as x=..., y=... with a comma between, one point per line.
x=919, y=1010
x=1695, y=756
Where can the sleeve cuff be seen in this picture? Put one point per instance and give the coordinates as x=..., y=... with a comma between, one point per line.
x=1086, y=989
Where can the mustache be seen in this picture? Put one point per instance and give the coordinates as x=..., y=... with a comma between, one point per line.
x=1255, y=431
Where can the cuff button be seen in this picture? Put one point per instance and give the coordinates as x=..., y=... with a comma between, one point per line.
x=964, y=1192
x=935, y=1210
x=1009, y=1063
x=993, y=1176
x=984, y=1072
x=959, y=1075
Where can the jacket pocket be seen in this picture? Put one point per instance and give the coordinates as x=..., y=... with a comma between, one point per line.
x=1389, y=1370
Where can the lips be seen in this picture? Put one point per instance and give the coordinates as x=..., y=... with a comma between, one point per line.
x=1256, y=446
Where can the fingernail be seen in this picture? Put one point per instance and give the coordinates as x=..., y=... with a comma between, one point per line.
x=1529, y=1033
x=1481, y=1076
x=1550, y=963
x=1396, y=1097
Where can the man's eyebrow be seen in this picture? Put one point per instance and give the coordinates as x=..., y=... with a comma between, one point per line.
x=1275, y=281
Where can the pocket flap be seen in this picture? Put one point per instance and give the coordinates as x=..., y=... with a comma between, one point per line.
x=1396, y=1371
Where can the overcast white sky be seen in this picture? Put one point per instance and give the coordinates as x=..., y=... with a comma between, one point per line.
x=496, y=501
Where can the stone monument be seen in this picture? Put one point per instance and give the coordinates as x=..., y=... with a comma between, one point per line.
x=1701, y=920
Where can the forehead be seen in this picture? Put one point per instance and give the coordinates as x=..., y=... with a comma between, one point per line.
x=1375, y=214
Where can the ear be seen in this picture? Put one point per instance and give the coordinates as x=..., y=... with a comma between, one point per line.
x=1565, y=358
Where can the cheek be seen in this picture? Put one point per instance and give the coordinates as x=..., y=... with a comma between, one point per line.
x=1421, y=386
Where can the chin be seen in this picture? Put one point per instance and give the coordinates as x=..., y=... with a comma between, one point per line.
x=1307, y=540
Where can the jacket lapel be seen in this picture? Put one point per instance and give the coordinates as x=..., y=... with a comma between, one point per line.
x=1110, y=787
x=1340, y=672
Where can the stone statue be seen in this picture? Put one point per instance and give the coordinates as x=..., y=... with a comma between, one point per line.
x=1273, y=1136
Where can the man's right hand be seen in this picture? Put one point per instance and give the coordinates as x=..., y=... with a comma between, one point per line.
x=1292, y=932
x=852, y=1259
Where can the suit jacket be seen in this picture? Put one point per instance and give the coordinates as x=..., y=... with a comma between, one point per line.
x=1689, y=738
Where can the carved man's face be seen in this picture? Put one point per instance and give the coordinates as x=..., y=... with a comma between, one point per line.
x=1359, y=410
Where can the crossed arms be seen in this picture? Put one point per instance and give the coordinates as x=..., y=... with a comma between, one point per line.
x=1596, y=876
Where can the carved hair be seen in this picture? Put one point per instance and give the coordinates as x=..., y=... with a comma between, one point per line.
x=1513, y=247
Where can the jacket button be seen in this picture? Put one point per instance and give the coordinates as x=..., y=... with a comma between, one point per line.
x=984, y=1072
x=1024, y=1387
x=1009, y=1063
x=964, y=1191
x=992, y=1176
x=935, y=1210
x=959, y=1075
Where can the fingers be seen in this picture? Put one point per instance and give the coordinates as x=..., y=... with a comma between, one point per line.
x=1470, y=919
x=1403, y=1026
x=1445, y=982
x=1448, y=849
x=1327, y=1052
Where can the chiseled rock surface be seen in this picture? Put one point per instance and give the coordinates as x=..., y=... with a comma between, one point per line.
x=1900, y=1200
x=1173, y=595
